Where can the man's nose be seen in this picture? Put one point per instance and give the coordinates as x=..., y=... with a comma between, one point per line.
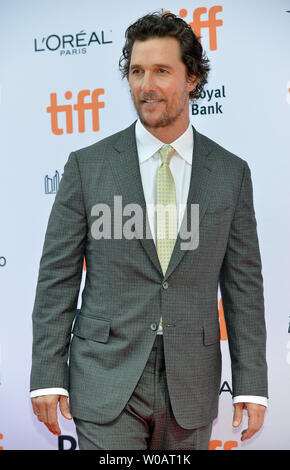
x=148, y=83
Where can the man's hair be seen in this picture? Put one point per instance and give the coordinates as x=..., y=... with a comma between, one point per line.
x=160, y=25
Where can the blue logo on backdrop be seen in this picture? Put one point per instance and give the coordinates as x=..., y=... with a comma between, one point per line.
x=66, y=443
x=51, y=184
x=211, y=102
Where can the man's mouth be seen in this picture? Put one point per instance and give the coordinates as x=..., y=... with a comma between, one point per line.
x=151, y=101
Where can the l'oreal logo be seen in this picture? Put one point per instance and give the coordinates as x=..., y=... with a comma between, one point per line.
x=68, y=44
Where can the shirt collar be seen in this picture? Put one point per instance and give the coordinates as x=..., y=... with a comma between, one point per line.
x=148, y=145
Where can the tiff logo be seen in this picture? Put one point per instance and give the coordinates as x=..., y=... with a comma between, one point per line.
x=200, y=21
x=228, y=445
x=93, y=105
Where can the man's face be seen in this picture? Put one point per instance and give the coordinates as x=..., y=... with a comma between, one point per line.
x=158, y=82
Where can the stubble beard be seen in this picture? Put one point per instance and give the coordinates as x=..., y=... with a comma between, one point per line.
x=166, y=119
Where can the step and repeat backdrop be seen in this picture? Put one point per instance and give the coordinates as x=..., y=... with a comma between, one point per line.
x=60, y=90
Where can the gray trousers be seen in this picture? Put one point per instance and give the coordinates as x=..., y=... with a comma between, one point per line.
x=147, y=421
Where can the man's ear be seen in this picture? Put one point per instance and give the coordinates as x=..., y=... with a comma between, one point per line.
x=192, y=81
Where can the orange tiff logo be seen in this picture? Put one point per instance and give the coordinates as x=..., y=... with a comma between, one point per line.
x=223, y=327
x=93, y=105
x=200, y=21
x=228, y=445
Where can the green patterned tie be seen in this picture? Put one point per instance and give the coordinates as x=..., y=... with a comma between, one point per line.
x=166, y=232
x=166, y=209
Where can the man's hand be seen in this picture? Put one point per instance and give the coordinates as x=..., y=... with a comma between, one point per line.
x=45, y=408
x=255, y=418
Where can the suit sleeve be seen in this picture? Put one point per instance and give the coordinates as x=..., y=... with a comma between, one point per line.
x=59, y=279
x=241, y=285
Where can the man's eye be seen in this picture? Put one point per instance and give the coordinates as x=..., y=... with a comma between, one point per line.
x=136, y=71
x=162, y=71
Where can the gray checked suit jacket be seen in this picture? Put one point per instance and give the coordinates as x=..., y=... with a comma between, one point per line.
x=99, y=352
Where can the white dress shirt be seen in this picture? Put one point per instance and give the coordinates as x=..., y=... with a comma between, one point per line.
x=180, y=165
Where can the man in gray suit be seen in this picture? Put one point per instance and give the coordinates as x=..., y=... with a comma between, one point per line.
x=144, y=364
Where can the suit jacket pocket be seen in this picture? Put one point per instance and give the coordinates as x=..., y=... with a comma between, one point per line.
x=95, y=329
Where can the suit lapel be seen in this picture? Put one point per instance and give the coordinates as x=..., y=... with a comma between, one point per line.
x=125, y=166
x=199, y=193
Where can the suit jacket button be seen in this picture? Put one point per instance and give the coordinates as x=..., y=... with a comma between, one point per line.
x=153, y=326
x=165, y=285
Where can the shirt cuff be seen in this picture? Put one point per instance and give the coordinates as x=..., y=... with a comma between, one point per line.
x=251, y=399
x=48, y=391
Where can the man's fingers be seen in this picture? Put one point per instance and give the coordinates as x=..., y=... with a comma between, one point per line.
x=255, y=420
x=64, y=407
x=41, y=411
x=238, y=414
x=253, y=427
x=52, y=421
x=45, y=408
x=53, y=428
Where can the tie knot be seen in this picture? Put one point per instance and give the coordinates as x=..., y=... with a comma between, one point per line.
x=165, y=152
